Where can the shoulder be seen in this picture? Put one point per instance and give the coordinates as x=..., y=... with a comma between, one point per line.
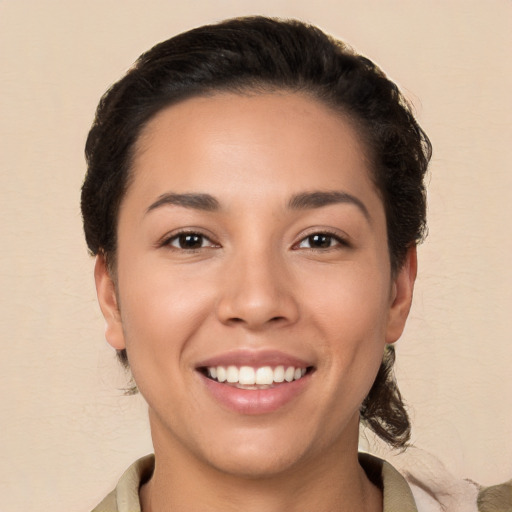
x=419, y=482
x=125, y=497
x=434, y=487
x=397, y=494
x=108, y=504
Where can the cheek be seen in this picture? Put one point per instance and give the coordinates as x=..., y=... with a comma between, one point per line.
x=350, y=309
x=160, y=320
x=161, y=310
x=352, y=299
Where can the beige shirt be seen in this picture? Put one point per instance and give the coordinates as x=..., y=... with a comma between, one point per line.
x=397, y=494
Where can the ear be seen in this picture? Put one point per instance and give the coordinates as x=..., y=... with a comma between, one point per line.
x=106, y=291
x=401, y=296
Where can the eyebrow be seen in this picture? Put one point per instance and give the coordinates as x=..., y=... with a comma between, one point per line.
x=302, y=201
x=311, y=200
x=204, y=202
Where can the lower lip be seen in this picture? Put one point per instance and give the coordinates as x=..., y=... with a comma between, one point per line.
x=255, y=401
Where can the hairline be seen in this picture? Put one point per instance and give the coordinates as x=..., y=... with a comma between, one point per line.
x=251, y=87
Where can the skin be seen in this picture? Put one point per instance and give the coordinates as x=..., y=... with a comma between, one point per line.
x=255, y=282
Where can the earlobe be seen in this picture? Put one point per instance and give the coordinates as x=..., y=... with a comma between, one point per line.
x=401, y=300
x=105, y=289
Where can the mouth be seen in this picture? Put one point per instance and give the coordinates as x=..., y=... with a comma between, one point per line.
x=255, y=382
x=255, y=378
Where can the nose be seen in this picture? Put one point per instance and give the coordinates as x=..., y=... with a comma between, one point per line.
x=257, y=293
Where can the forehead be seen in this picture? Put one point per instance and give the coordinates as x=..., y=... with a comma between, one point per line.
x=231, y=144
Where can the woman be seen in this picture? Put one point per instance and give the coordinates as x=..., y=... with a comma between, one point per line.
x=254, y=199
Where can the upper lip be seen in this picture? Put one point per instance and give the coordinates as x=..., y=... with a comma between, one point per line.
x=254, y=358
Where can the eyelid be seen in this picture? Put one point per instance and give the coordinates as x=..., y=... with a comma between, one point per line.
x=341, y=237
x=166, y=240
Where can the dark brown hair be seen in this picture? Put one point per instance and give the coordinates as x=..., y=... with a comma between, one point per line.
x=264, y=54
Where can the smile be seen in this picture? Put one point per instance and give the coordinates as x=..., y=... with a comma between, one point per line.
x=247, y=377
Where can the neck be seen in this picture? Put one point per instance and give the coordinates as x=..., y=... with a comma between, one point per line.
x=332, y=482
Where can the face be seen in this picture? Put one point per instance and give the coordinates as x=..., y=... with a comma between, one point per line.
x=253, y=291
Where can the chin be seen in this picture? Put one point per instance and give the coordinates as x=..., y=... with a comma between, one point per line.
x=256, y=463
x=260, y=453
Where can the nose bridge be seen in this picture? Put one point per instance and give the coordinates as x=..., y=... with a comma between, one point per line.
x=256, y=289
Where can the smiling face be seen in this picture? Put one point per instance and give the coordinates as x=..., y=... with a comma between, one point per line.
x=254, y=291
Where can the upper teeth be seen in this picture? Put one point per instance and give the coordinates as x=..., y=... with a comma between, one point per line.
x=247, y=375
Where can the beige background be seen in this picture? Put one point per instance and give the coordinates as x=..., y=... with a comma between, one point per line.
x=66, y=430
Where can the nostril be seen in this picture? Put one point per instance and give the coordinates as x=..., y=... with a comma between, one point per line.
x=275, y=319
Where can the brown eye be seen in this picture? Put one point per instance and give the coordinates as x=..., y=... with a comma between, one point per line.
x=190, y=241
x=321, y=241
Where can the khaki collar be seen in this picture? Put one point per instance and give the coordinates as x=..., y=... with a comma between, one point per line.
x=396, y=491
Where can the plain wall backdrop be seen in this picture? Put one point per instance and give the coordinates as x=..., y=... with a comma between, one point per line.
x=66, y=430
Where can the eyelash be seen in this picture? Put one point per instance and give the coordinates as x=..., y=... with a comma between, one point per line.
x=335, y=241
x=180, y=237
